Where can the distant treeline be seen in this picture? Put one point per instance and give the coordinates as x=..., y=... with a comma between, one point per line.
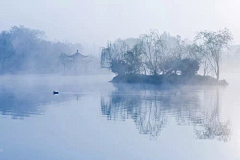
x=24, y=50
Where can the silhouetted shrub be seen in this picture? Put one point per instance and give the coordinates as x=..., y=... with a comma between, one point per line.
x=118, y=67
x=188, y=67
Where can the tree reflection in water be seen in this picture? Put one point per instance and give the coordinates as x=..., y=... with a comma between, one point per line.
x=151, y=109
x=210, y=126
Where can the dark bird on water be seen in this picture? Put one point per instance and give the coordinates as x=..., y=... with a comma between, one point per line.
x=55, y=92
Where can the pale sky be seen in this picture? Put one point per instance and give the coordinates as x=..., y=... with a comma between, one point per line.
x=97, y=21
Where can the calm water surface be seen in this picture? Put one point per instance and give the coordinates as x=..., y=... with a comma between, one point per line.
x=94, y=119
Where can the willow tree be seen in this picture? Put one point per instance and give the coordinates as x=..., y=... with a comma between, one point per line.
x=212, y=45
x=112, y=56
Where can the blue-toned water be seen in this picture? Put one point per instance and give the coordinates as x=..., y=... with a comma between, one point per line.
x=94, y=119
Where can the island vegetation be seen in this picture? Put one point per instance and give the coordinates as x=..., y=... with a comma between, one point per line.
x=164, y=59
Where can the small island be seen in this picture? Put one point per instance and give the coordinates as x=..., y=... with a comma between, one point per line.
x=162, y=59
x=168, y=80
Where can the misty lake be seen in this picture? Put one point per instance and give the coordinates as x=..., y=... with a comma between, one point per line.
x=92, y=119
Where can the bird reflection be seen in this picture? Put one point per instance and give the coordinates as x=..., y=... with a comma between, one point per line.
x=152, y=109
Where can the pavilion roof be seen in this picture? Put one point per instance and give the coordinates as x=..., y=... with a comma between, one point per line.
x=77, y=54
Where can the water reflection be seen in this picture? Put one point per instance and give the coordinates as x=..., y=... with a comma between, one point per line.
x=210, y=126
x=153, y=109
x=18, y=106
x=25, y=95
x=24, y=103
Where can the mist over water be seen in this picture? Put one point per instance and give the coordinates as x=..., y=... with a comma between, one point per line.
x=91, y=115
x=119, y=80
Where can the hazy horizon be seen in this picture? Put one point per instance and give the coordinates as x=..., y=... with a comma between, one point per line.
x=96, y=22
